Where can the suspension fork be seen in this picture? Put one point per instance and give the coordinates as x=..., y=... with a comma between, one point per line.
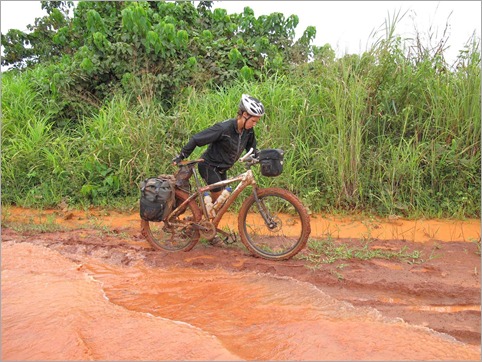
x=268, y=219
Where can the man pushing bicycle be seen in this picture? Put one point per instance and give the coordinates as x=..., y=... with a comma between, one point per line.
x=226, y=140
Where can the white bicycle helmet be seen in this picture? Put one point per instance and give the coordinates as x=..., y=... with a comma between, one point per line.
x=251, y=105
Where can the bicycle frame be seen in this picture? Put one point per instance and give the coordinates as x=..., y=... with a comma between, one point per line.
x=245, y=179
x=190, y=221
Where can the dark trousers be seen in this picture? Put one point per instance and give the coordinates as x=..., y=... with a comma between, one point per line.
x=212, y=174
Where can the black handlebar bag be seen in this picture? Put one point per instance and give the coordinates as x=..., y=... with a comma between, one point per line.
x=271, y=161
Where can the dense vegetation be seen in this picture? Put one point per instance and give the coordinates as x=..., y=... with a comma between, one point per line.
x=97, y=102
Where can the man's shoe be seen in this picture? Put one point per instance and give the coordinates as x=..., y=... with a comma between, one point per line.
x=215, y=240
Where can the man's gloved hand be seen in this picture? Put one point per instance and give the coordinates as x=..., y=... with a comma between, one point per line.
x=177, y=159
x=256, y=154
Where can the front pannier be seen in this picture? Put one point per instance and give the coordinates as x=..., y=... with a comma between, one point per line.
x=271, y=161
x=157, y=198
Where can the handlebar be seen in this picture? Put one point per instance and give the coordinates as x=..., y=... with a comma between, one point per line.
x=243, y=159
x=189, y=162
x=248, y=158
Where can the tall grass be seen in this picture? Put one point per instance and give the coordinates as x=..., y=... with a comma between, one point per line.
x=387, y=132
x=34, y=157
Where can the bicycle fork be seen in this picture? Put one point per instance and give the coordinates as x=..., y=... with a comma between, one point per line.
x=268, y=219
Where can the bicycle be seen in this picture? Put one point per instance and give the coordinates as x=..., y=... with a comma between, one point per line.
x=272, y=222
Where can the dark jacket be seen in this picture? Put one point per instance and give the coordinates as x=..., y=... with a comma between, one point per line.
x=225, y=144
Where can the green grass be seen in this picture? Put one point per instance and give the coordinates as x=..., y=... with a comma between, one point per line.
x=33, y=225
x=389, y=132
x=328, y=251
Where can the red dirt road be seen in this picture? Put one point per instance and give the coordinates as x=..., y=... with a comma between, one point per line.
x=440, y=289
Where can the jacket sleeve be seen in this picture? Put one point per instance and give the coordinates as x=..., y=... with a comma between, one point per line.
x=209, y=135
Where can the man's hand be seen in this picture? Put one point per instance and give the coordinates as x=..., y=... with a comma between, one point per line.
x=175, y=161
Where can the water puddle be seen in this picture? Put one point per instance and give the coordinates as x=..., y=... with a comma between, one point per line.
x=53, y=310
x=445, y=308
x=261, y=317
x=418, y=305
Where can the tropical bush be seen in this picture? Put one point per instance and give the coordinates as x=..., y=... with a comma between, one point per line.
x=150, y=50
x=394, y=131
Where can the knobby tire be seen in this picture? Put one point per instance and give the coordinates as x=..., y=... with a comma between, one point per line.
x=180, y=238
x=289, y=232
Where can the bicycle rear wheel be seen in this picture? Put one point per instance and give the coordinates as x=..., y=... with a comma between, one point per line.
x=179, y=234
x=284, y=232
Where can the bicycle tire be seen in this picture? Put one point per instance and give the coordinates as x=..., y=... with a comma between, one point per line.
x=290, y=230
x=174, y=238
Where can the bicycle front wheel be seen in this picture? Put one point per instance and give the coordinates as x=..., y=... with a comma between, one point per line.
x=277, y=227
x=179, y=234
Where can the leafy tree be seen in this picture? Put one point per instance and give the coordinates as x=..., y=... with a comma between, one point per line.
x=151, y=50
x=46, y=40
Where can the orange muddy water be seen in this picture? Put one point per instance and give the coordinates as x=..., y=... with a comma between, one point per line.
x=88, y=305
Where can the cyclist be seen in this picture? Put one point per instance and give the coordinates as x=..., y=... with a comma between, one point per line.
x=226, y=140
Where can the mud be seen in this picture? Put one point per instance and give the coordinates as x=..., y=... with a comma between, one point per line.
x=439, y=290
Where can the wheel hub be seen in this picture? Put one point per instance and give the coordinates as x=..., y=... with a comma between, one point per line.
x=275, y=224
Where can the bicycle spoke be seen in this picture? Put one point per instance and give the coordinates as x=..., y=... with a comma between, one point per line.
x=178, y=235
x=274, y=227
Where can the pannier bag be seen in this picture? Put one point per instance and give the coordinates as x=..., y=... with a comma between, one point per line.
x=271, y=161
x=157, y=198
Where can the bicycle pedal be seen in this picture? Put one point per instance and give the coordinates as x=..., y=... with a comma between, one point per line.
x=214, y=241
x=229, y=239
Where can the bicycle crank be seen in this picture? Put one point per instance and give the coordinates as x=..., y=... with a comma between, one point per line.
x=207, y=229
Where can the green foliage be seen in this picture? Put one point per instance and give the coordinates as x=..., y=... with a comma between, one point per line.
x=36, y=160
x=47, y=40
x=151, y=50
x=394, y=131
x=328, y=252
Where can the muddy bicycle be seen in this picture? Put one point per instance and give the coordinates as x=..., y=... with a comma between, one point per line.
x=272, y=222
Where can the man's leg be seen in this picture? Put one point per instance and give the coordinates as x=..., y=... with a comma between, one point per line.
x=211, y=176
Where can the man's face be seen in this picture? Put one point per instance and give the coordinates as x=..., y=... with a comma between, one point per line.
x=251, y=121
